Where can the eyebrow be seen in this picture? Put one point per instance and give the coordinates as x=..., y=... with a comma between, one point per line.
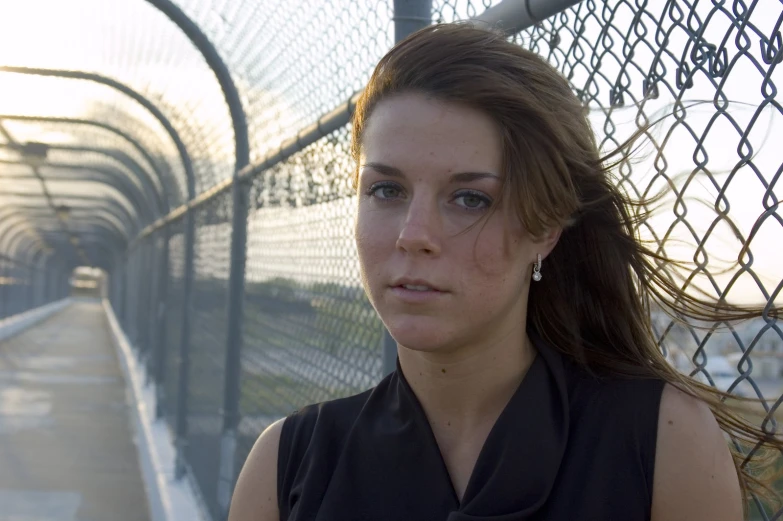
x=460, y=177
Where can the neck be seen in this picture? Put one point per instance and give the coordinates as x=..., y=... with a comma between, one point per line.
x=467, y=388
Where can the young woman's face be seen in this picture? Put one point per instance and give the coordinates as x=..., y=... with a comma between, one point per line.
x=428, y=171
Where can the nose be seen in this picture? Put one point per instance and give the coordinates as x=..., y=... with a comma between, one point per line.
x=420, y=233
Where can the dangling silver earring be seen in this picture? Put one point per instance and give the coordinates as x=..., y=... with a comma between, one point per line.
x=537, y=269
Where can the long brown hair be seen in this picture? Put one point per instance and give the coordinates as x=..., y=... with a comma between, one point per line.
x=594, y=303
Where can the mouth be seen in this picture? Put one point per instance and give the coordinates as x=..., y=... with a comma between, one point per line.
x=417, y=285
x=416, y=290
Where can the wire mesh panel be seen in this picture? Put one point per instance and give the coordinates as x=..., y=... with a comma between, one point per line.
x=295, y=61
x=208, y=344
x=309, y=332
x=133, y=43
x=701, y=78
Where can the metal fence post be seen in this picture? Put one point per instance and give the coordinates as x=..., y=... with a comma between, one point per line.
x=63, y=283
x=181, y=424
x=46, y=286
x=30, y=287
x=146, y=283
x=152, y=305
x=37, y=300
x=3, y=287
x=127, y=285
x=159, y=346
x=235, y=312
x=409, y=17
x=239, y=231
x=122, y=286
x=51, y=279
x=131, y=279
x=236, y=281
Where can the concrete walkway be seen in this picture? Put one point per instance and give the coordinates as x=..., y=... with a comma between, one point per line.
x=66, y=447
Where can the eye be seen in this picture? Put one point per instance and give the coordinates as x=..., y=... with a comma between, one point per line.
x=385, y=190
x=471, y=200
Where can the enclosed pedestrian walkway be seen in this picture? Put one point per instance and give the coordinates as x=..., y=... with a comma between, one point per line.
x=197, y=155
x=67, y=449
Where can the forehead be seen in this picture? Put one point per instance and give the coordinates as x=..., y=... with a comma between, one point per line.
x=410, y=131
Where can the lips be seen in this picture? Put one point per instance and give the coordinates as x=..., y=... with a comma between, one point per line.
x=420, y=285
x=416, y=288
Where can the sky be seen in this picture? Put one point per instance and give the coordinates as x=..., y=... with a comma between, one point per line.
x=306, y=72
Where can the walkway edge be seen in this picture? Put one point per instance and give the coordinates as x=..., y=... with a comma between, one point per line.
x=15, y=324
x=169, y=499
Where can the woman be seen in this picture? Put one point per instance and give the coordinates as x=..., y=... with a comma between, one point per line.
x=502, y=259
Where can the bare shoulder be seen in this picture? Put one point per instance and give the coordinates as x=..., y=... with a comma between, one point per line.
x=695, y=478
x=255, y=495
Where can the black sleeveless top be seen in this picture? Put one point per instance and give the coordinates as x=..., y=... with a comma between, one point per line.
x=567, y=446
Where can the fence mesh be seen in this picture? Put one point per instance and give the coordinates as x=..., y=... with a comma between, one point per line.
x=130, y=42
x=208, y=344
x=310, y=333
x=291, y=73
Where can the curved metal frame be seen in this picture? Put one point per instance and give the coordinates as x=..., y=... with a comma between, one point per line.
x=85, y=227
x=18, y=234
x=17, y=218
x=97, y=216
x=222, y=74
x=189, y=228
x=238, y=240
x=144, y=102
x=153, y=197
x=235, y=297
x=33, y=254
x=106, y=176
x=92, y=240
x=163, y=184
x=126, y=188
x=127, y=217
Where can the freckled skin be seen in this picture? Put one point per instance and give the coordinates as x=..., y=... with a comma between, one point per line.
x=424, y=233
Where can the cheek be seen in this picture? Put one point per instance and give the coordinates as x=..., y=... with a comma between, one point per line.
x=373, y=238
x=496, y=263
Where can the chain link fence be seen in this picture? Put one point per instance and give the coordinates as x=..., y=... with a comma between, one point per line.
x=271, y=257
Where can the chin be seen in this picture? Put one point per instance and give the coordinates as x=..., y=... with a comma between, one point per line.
x=421, y=333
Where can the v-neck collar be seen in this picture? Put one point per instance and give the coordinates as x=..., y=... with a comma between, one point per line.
x=432, y=440
x=392, y=467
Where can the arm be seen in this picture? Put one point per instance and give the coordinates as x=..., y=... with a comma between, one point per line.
x=695, y=478
x=255, y=495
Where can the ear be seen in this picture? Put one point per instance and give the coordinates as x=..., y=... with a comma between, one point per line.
x=548, y=241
